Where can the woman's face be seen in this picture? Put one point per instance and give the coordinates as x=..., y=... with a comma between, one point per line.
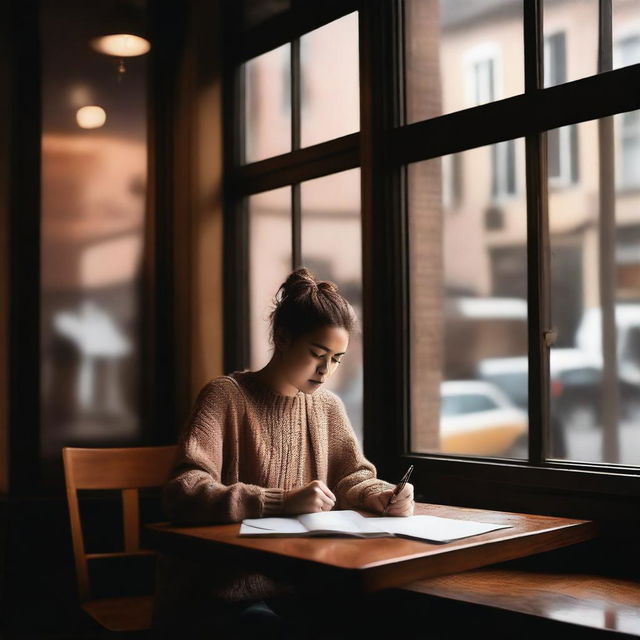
x=313, y=358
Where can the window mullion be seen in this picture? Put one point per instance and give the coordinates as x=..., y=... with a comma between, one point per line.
x=607, y=249
x=296, y=223
x=296, y=226
x=537, y=245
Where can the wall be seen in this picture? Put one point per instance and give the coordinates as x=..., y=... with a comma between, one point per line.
x=198, y=206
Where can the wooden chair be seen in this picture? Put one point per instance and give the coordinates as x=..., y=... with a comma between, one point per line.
x=127, y=469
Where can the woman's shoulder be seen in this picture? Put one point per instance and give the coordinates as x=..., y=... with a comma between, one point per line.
x=328, y=399
x=222, y=387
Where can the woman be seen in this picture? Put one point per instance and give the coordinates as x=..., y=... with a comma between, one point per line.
x=272, y=442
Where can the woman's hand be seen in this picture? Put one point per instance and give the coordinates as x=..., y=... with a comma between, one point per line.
x=402, y=504
x=313, y=497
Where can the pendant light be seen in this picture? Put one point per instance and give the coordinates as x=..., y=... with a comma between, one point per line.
x=123, y=34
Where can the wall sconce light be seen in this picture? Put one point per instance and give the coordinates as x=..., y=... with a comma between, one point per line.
x=123, y=35
x=91, y=117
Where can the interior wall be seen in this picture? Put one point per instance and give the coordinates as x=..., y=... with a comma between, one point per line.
x=198, y=206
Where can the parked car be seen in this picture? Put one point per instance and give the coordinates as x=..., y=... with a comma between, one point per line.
x=589, y=338
x=476, y=417
x=576, y=382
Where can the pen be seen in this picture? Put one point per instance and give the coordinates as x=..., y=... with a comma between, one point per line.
x=399, y=487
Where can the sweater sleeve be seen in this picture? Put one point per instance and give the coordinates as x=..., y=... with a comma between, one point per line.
x=351, y=476
x=194, y=493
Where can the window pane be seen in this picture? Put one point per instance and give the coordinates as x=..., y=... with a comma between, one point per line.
x=595, y=415
x=331, y=240
x=570, y=40
x=329, y=92
x=461, y=53
x=562, y=153
x=468, y=279
x=267, y=83
x=93, y=200
x=269, y=264
x=626, y=33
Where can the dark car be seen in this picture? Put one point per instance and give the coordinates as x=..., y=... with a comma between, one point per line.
x=576, y=391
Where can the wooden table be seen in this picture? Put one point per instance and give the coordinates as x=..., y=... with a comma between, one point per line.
x=347, y=563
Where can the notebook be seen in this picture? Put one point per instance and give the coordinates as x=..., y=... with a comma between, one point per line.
x=351, y=523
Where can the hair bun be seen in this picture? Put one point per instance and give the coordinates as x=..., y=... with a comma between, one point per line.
x=328, y=286
x=299, y=282
x=298, y=308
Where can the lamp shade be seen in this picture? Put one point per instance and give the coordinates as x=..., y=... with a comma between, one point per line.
x=123, y=45
x=91, y=117
x=123, y=32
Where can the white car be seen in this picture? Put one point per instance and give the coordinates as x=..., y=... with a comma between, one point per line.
x=477, y=418
x=589, y=338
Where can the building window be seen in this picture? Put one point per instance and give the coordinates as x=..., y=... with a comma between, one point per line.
x=562, y=143
x=628, y=52
x=503, y=163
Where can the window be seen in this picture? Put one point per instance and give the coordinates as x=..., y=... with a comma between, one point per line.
x=562, y=142
x=456, y=115
x=485, y=86
x=92, y=242
x=295, y=205
x=503, y=163
x=570, y=31
x=628, y=124
x=460, y=54
x=464, y=275
x=267, y=104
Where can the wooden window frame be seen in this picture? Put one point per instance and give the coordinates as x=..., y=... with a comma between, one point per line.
x=383, y=149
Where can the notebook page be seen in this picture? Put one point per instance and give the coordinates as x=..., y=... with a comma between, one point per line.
x=341, y=521
x=435, y=528
x=274, y=525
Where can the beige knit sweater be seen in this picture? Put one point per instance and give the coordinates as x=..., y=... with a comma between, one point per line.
x=244, y=445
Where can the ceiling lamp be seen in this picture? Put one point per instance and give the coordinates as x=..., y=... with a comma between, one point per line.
x=122, y=45
x=91, y=117
x=122, y=34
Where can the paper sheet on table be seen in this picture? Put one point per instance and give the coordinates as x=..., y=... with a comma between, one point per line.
x=424, y=527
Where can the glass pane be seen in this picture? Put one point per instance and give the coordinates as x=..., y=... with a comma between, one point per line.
x=329, y=76
x=269, y=264
x=626, y=33
x=468, y=287
x=570, y=40
x=460, y=54
x=331, y=249
x=267, y=84
x=92, y=238
x=595, y=391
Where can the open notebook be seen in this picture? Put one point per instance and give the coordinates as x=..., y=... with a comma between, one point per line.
x=351, y=523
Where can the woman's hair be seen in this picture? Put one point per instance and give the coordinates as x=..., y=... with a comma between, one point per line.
x=303, y=304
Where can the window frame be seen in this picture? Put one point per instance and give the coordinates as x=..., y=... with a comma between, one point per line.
x=383, y=149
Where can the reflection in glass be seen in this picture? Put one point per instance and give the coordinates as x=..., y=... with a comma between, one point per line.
x=598, y=413
x=267, y=84
x=269, y=263
x=460, y=54
x=93, y=209
x=331, y=250
x=330, y=103
x=468, y=279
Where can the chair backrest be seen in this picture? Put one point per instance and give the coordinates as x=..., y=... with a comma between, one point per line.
x=126, y=469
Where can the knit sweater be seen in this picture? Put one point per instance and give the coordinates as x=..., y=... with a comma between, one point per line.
x=244, y=445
